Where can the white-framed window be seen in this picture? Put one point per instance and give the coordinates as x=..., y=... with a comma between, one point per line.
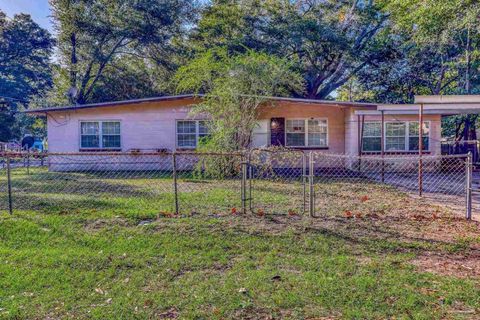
x=100, y=135
x=191, y=132
x=395, y=136
x=306, y=133
x=372, y=136
x=413, y=136
x=399, y=136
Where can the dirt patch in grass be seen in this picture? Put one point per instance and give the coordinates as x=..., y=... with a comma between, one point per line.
x=442, y=241
x=456, y=265
x=98, y=224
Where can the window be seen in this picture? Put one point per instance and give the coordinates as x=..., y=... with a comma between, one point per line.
x=395, y=133
x=372, y=136
x=191, y=132
x=100, y=135
x=399, y=136
x=296, y=133
x=317, y=133
x=111, y=134
x=413, y=136
x=306, y=133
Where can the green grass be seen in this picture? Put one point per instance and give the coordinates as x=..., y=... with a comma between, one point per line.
x=76, y=250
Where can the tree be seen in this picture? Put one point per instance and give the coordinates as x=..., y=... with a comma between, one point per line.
x=448, y=36
x=25, y=72
x=235, y=86
x=332, y=40
x=417, y=69
x=97, y=37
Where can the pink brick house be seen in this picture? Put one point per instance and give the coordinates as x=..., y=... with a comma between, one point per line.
x=165, y=123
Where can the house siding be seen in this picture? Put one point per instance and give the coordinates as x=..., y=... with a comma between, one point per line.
x=352, y=126
x=152, y=125
x=146, y=126
x=296, y=110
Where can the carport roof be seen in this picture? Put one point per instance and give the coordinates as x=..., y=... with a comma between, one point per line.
x=442, y=105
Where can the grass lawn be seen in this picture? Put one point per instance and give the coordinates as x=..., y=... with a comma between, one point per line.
x=88, y=247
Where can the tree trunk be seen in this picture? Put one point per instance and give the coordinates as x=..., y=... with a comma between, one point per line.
x=73, y=68
x=469, y=127
x=468, y=62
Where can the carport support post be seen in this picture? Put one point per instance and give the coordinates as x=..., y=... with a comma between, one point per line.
x=9, y=185
x=468, y=180
x=175, y=185
x=361, y=127
x=420, y=150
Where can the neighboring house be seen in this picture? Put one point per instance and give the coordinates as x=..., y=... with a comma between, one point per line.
x=166, y=123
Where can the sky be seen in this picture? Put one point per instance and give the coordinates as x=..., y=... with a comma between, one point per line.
x=38, y=9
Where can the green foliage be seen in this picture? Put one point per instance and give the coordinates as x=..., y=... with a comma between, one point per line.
x=433, y=21
x=436, y=52
x=103, y=41
x=235, y=85
x=25, y=71
x=330, y=40
x=85, y=256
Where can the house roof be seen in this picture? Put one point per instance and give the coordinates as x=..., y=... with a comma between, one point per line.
x=190, y=96
x=111, y=103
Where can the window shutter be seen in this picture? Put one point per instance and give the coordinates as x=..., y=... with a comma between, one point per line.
x=277, y=131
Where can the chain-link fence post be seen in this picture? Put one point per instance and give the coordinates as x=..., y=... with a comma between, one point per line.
x=310, y=181
x=9, y=186
x=468, y=180
x=250, y=177
x=420, y=176
x=28, y=161
x=244, y=184
x=304, y=181
x=175, y=184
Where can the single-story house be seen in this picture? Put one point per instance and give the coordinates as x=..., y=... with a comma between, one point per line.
x=166, y=123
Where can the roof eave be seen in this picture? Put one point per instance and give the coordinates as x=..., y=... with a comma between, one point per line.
x=44, y=111
x=111, y=104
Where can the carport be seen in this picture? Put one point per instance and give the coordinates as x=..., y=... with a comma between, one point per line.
x=424, y=105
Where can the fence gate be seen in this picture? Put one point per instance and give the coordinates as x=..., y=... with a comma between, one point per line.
x=277, y=182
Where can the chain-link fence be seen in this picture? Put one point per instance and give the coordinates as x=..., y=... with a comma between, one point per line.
x=163, y=183
x=260, y=181
x=353, y=179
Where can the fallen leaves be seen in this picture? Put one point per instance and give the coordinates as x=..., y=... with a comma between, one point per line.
x=165, y=215
x=349, y=214
x=423, y=217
